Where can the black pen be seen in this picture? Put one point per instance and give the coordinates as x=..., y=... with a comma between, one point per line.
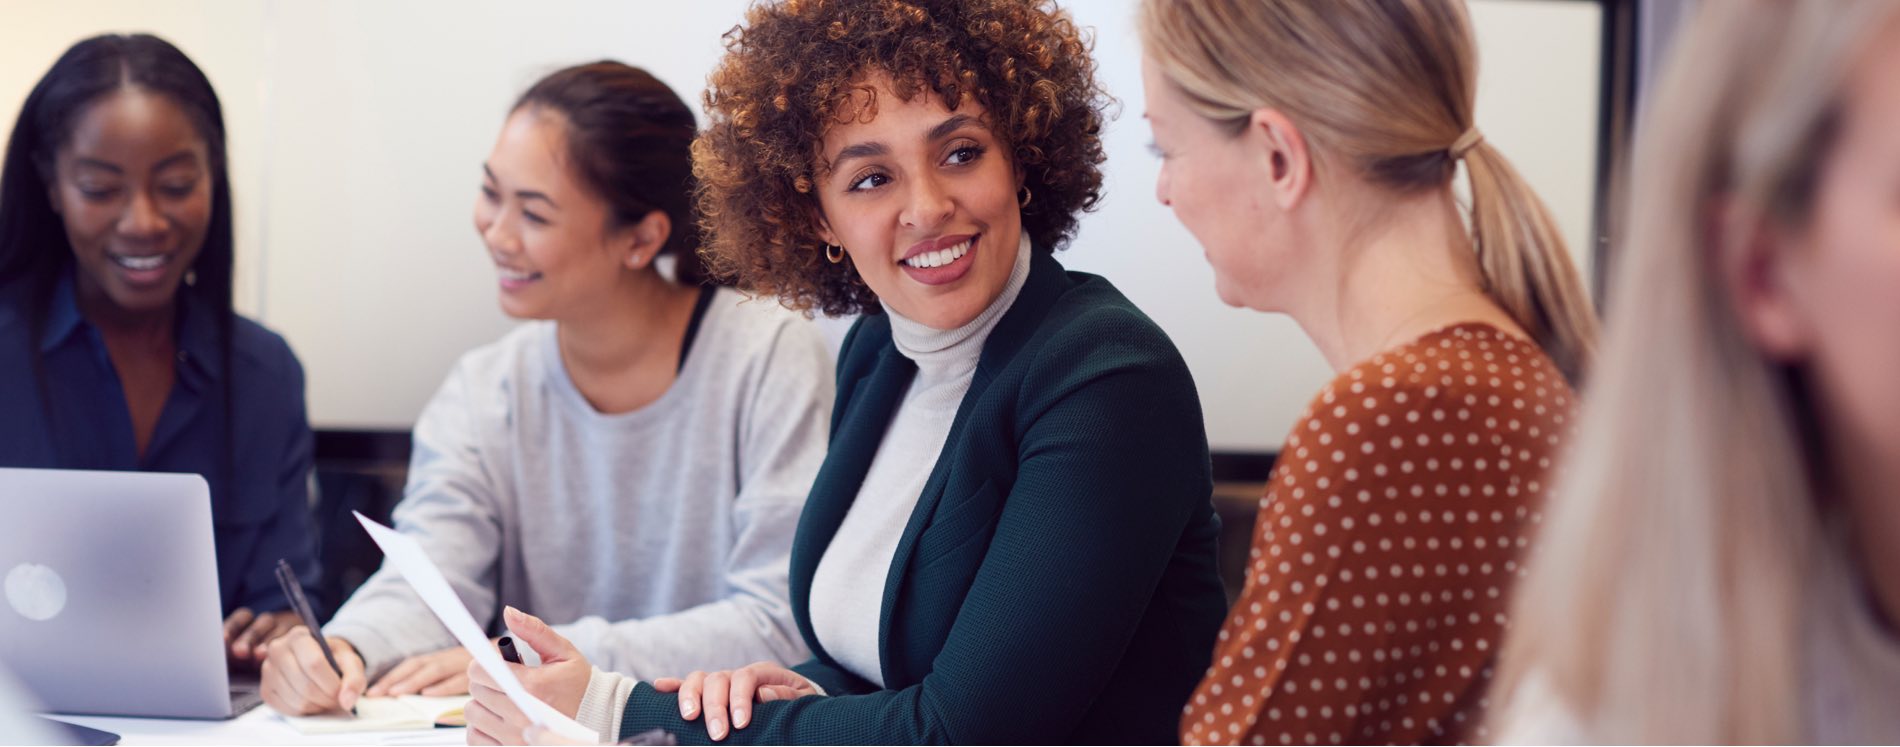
x=293, y=592
x=508, y=652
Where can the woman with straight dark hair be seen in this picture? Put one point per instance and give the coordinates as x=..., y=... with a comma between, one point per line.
x=631, y=463
x=116, y=327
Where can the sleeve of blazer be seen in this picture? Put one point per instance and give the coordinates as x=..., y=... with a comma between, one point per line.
x=1112, y=463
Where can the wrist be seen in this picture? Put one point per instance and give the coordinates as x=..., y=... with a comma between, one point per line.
x=341, y=647
x=603, y=703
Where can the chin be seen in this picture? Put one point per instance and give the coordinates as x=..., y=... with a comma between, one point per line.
x=1229, y=294
x=522, y=311
x=948, y=312
x=145, y=299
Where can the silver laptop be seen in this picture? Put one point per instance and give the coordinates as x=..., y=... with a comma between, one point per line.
x=110, y=600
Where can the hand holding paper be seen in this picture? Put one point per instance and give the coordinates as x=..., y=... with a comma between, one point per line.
x=422, y=574
x=561, y=681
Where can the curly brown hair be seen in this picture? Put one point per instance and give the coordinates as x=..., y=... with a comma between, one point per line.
x=798, y=67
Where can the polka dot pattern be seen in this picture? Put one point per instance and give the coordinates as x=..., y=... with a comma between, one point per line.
x=1385, y=549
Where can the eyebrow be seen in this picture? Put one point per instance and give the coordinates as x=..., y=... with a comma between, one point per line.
x=944, y=128
x=867, y=150
x=860, y=150
x=526, y=194
x=94, y=163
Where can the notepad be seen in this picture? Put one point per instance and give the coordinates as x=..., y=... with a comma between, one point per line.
x=401, y=713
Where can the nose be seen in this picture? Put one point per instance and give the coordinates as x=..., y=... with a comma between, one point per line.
x=928, y=204
x=141, y=219
x=496, y=230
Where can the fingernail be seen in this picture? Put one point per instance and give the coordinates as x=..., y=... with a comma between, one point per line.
x=688, y=708
x=717, y=728
x=741, y=719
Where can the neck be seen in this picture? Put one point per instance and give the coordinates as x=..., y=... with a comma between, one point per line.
x=635, y=329
x=1392, y=275
x=152, y=328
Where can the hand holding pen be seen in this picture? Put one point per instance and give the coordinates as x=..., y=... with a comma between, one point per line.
x=304, y=673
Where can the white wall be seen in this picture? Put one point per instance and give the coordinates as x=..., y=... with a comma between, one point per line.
x=358, y=129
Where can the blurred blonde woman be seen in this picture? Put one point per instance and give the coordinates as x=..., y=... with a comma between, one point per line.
x=1311, y=146
x=1723, y=562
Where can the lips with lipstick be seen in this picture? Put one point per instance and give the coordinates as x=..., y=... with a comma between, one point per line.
x=940, y=261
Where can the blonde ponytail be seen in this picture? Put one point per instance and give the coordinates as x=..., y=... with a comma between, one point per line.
x=1526, y=267
x=1390, y=87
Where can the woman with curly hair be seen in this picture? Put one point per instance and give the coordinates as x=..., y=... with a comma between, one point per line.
x=1018, y=484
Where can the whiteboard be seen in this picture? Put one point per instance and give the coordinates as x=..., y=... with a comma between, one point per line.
x=358, y=128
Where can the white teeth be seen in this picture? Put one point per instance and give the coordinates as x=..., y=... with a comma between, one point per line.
x=516, y=275
x=150, y=262
x=940, y=257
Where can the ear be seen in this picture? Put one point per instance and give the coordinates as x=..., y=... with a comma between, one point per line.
x=1284, y=155
x=825, y=233
x=1754, y=259
x=641, y=242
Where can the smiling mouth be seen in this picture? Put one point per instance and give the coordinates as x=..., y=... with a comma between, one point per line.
x=940, y=257
x=140, y=263
x=517, y=276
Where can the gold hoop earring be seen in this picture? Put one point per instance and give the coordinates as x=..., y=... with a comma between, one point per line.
x=1027, y=196
x=834, y=253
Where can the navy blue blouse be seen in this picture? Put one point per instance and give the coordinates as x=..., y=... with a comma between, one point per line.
x=260, y=507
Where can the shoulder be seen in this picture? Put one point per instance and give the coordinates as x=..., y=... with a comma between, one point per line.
x=756, y=328
x=1467, y=397
x=13, y=316
x=262, y=350
x=1093, y=330
x=521, y=354
x=867, y=339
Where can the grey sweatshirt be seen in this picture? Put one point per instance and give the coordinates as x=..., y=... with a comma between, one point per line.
x=657, y=540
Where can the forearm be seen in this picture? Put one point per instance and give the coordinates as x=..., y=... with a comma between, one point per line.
x=386, y=622
x=726, y=634
x=881, y=717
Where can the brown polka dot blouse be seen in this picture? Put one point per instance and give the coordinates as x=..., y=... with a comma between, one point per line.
x=1385, y=547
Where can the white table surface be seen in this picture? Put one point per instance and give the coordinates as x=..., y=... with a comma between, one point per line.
x=261, y=725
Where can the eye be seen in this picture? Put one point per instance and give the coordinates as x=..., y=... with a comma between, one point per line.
x=178, y=190
x=98, y=194
x=965, y=155
x=1157, y=152
x=490, y=194
x=868, y=182
x=532, y=218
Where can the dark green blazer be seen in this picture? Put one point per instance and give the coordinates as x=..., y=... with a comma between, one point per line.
x=1056, y=582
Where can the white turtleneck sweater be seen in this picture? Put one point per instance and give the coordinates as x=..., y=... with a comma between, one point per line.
x=847, y=592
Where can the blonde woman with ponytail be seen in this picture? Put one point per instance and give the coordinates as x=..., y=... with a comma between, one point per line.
x=1310, y=146
x=1722, y=562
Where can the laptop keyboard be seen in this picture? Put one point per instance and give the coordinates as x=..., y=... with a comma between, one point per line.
x=246, y=693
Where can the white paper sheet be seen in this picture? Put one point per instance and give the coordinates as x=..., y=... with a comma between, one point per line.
x=421, y=573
